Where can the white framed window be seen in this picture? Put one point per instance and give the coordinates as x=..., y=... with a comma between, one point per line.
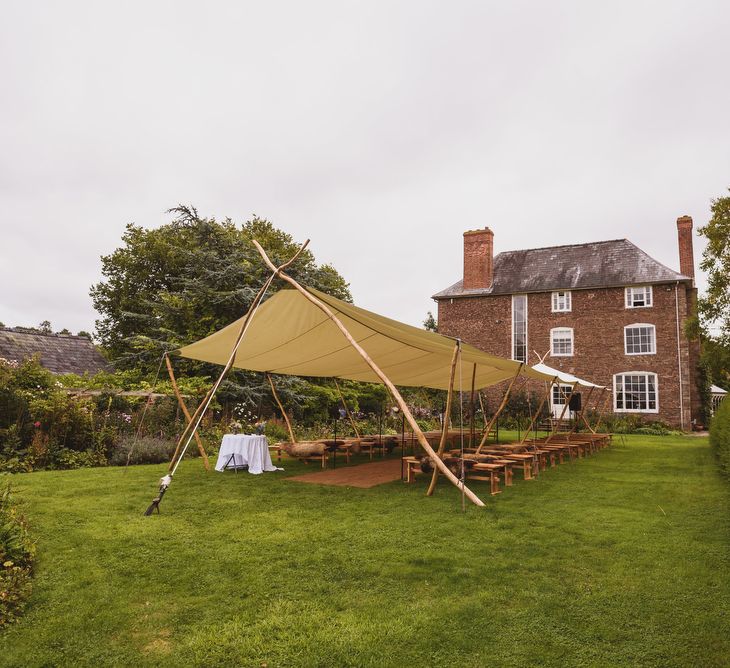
x=639, y=297
x=561, y=301
x=635, y=392
x=561, y=341
x=519, y=328
x=640, y=339
x=561, y=394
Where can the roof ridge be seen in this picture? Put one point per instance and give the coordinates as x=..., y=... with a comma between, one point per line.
x=35, y=332
x=587, y=243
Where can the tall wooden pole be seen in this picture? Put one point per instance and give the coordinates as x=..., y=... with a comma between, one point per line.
x=347, y=410
x=485, y=436
x=447, y=411
x=186, y=412
x=472, y=407
x=391, y=388
x=281, y=408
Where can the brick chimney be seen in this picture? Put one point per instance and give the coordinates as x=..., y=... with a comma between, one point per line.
x=686, y=255
x=478, y=259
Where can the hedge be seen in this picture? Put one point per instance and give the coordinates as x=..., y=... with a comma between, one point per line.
x=720, y=435
x=16, y=557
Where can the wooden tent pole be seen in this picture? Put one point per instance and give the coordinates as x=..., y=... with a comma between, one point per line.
x=562, y=414
x=606, y=403
x=185, y=411
x=281, y=408
x=447, y=411
x=347, y=410
x=394, y=392
x=196, y=418
x=472, y=431
x=539, y=410
x=580, y=412
x=485, y=436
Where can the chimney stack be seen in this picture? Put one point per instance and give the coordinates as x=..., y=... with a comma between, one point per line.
x=478, y=259
x=686, y=254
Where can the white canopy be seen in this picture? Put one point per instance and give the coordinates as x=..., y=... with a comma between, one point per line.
x=565, y=378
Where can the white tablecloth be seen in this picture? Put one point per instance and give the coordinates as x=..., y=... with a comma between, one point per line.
x=251, y=451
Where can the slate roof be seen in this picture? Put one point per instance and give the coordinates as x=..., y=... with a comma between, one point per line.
x=600, y=264
x=59, y=353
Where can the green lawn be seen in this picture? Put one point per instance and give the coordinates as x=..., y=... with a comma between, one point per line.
x=621, y=559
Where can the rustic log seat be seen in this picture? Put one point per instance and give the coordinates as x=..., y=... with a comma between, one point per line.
x=307, y=451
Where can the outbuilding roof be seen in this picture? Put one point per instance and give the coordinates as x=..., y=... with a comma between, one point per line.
x=59, y=353
x=601, y=264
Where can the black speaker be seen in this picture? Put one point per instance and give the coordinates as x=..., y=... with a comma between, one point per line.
x=575, y=402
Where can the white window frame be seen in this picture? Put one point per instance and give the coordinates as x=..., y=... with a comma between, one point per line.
x=566, y=306
x=653, y=338
x=648, y=296
x=513, y=329
x=563, y=330
x=646, y=375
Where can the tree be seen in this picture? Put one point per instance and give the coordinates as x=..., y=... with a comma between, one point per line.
x=714, y=306
x=430, y=323
x=45, y=327
x=166, y=287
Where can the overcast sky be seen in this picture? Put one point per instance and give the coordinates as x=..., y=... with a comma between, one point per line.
x=380, y=130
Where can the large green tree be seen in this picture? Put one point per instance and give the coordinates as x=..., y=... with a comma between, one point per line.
x=715, y=304
x=169, y=286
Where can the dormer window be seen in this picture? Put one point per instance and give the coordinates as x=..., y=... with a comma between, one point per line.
x=638, y=297
x=561, y=301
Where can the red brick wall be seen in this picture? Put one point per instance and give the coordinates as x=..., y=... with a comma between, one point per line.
x=478, y=258
x=598, y=318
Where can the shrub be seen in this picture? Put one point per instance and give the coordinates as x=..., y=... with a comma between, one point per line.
x=720, y=435
x=147, y=450
x=16, y=558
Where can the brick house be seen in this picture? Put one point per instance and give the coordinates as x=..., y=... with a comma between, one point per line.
x=603, y=311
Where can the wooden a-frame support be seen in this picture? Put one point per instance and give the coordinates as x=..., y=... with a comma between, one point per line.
x=580, y=417
x=606, y=398
x=488, y=428
x=391, y=388
x=535, y=417
x=347, y=410
x=196, y=418
x=281, y=408
x=186, y=413
x=447, y=412
x=562, y=413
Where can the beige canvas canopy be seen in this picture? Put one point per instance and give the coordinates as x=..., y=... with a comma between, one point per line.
x=290, y=335
x=566, y=378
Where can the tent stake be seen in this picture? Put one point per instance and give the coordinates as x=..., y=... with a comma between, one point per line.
x=394, y=392
x=186, y=412
x=281, y=408
x=447, y=411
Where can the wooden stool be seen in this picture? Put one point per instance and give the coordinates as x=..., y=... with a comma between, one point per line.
x=411, y=465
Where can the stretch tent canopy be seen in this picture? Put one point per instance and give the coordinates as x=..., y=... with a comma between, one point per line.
x=565, y=378
x=290, y=335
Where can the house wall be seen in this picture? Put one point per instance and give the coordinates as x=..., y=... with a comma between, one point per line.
x=598, y=318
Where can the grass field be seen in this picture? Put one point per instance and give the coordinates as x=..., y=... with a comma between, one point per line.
x=621, y=559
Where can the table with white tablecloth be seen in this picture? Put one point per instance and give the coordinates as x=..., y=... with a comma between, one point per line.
x=241, y=450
